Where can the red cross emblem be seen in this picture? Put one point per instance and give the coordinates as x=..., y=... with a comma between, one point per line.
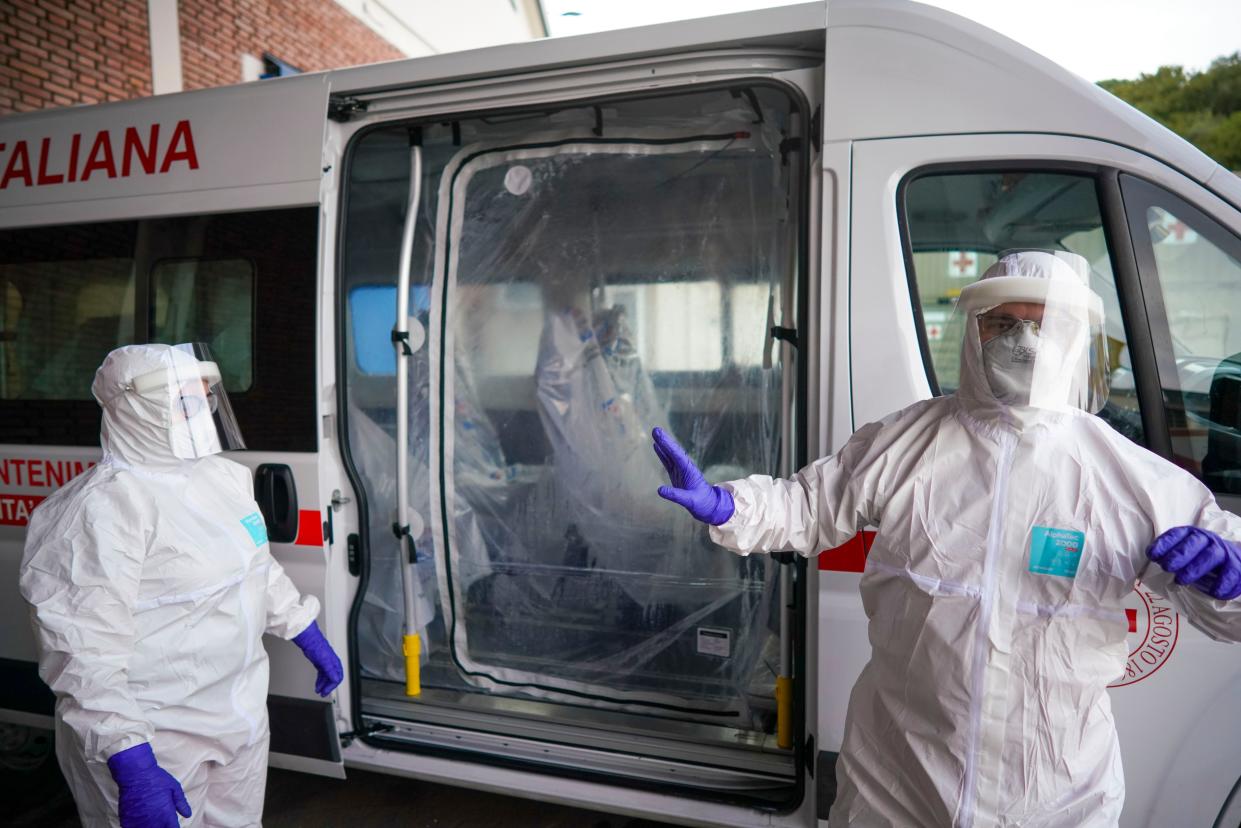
x=962, y=264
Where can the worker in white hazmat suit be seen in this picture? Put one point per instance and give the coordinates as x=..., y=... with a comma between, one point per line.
x=1011, y=524
x=151, y=583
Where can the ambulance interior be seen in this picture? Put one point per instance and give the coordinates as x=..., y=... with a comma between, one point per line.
x=581, y=276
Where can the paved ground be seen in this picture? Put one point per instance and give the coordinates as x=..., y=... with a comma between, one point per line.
x=39, y=799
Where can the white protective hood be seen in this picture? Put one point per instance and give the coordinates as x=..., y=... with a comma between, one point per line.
x=1069, y=372
x=138, y=429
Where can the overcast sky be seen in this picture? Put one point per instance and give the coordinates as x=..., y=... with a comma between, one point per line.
x=1097, y=39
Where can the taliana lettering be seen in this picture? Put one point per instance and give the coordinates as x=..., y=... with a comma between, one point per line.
x=47, y=162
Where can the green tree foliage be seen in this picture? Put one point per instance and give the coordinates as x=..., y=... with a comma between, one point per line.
x=1204, y=108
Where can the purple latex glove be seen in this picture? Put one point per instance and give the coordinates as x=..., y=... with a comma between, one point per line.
x=320, y=653
x=1201, y=558
x=149, y=796
x=707, y=503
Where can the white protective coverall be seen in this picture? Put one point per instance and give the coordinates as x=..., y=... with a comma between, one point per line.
x=151, y=583
x=985, y=701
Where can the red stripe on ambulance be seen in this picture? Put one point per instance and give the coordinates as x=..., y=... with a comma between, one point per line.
x=309, y=528
x=850, y=556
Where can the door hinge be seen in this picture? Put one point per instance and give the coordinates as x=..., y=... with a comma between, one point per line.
x=342, y=109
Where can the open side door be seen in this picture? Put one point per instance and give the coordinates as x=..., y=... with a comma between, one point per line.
x=579, y=283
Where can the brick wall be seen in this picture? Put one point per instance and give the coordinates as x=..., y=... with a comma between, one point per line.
x=309, y=34
x=62, y=52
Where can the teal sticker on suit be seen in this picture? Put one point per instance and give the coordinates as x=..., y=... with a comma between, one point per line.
x=256, y=527
x=1055, y=551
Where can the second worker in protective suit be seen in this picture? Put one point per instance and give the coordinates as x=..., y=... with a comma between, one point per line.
x=151, y=584
x=1012, y=523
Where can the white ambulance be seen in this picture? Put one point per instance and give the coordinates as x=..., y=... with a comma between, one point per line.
x=749, y=230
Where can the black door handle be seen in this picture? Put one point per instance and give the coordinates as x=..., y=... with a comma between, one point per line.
x=277, y=498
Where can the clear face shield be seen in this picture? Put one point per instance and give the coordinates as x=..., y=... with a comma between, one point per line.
x=1040, y=342
x=200, y=418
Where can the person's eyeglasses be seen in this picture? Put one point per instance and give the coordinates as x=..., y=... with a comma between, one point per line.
x=991, y=325
x=1063, y=323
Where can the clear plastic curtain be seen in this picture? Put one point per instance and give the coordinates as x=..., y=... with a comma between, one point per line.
x=585, y=292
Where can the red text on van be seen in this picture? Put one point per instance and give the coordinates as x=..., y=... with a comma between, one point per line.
x=109, y=153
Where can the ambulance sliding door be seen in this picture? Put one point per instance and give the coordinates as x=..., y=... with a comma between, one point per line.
x=581, y=278
x=242, y=282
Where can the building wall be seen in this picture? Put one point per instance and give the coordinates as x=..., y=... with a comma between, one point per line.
x=63, y=52
x=424, y=27
x=309, y=34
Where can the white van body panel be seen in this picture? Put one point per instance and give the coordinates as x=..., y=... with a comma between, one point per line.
x=255, y=146
x=896, y=68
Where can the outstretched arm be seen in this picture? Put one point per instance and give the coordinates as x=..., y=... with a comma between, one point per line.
x=822, y=506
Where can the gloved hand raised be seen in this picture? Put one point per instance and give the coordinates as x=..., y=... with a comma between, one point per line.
x=149, y=796
x=1201, y=558
x=707, y=503
x=320, y=653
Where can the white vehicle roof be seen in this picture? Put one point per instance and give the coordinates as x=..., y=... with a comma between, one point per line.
x=899, y=68
x=893, y=68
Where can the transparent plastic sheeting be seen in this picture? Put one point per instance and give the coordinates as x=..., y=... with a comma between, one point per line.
x=585, y=291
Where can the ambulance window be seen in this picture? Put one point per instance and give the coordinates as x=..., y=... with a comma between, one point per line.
x=212, y=301
x=957, y=223
x=59, y=317
x=370, y=324
x=244, y=282
x=665, y=336
x=1192, y=268
x=66, y=299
